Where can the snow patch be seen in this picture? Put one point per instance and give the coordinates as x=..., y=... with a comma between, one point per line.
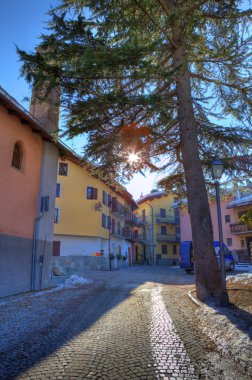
x=74, y=281
x=243, y=278
x=227, y=330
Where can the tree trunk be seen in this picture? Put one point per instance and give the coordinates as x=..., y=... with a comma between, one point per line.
x=207, y=274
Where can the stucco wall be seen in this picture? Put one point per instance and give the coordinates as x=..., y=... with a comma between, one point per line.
x=185, y=224
x=158, y=202
x=18, y=188
x=78, y=245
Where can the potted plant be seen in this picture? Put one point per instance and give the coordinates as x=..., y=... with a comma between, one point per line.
x=111, y=258
x=124, y=260
x=118, y=256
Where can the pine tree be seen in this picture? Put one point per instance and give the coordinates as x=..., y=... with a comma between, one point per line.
x=167, y=80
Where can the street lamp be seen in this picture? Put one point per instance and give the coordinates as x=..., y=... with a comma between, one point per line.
x=217, y=169
x=152, y=234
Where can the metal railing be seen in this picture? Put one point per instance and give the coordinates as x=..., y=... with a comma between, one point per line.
x=166, y=219
x=239, y=228
x=168, y=238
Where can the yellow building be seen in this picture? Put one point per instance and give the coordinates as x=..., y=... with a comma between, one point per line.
x=157, y=235
x=91, y=217
x=242, y=233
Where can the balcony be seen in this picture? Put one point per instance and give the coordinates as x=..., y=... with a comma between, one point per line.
x=239, y=228
x=141, y=239
x=116, y=233
x=129, y=219
x=171, y=238
x=128, y=235
x=167, y=219
x=140, y=222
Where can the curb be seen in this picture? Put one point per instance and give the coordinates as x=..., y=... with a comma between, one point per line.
x=194, y=300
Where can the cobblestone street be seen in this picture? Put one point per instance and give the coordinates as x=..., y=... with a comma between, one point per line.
x=136, y=323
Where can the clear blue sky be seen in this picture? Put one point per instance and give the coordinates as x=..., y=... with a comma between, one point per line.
x=21, y=23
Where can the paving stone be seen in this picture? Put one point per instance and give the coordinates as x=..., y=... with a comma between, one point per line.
x=131, y=324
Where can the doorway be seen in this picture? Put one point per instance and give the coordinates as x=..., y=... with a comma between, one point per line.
x=248, y=252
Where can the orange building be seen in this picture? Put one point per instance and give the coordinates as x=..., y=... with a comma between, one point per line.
x=28, y=170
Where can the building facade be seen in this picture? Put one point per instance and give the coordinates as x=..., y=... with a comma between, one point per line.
x=92, y=218
x=236, y=236
x=157, y=234
x=28, y=175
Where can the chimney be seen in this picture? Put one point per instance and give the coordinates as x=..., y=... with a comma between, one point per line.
x=46, y=112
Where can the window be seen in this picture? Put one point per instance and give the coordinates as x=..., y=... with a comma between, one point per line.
x=174, y=249
x=44, y=204
x=242, y=243
x=119, y=228
x=17, y=156
x=227, y=218
x=229, y=242
x=109, y=200
x=63, y=168
x=58, y=190
x=113, y=225
x=162, y=213
x=144, y=233
x=143, y=215
x=163, y=230
x=104, y=220
x=105, y=198
x=164, y=249
x=109, y=222
x=92, y=193
x=56, y=215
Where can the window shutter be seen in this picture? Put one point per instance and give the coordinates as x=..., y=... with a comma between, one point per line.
x=163, y=212
x=109, y=200
x=46, y=203
x=103, y=220
x=42, y=202
x=113, y=225
x=95, y=193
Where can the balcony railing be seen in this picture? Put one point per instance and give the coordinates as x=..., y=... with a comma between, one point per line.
x=166, y=219
x=239, y=228
x=140, y=221
x=128, y=235
x=141, y=239
x=129, y=219
x=117, y=234
x=168, y=238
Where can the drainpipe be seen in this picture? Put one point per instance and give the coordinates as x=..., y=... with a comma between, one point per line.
x=34, y=251
x=152, y=233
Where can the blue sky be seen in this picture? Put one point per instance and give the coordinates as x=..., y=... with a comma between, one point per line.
x=21, y=23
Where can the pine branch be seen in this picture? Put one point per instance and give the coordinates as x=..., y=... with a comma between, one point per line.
x=220, y=83
x=154, y=22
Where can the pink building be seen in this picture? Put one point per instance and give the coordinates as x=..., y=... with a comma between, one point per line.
x=28, y=171
x=236, y=236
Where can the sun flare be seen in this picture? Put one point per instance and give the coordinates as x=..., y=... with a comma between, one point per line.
x=132, y=158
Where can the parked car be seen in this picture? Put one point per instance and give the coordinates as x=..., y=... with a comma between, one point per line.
x=186, y=256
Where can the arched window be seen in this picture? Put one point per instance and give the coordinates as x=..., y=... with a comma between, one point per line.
x=17, y=157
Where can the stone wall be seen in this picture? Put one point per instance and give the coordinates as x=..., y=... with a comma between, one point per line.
x=64, y=265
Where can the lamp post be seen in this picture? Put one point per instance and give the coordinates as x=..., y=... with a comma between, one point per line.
x=217, y=169
x=152, y=234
